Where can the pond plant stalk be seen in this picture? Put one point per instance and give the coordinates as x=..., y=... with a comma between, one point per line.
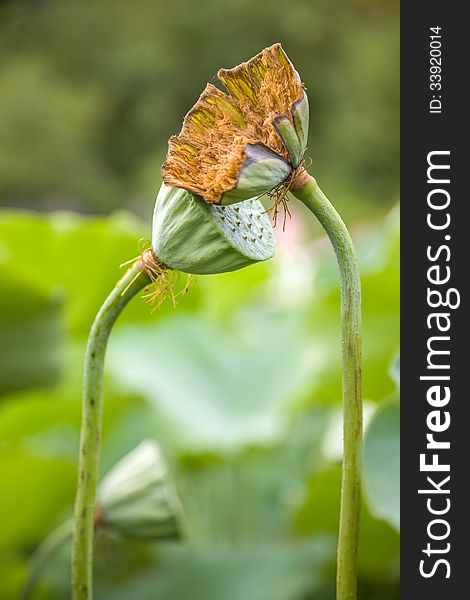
x=188, y=236
x=306, y=189
x=136, y=499
x=251, y=140
x=133, y=281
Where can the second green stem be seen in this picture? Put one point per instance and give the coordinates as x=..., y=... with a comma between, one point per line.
x=84, y=519
x=311, y=195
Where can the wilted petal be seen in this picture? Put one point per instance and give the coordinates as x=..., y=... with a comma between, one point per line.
x=207, y=155
x=266, y=87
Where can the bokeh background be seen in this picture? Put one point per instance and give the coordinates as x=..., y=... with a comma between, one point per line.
x=240, y=384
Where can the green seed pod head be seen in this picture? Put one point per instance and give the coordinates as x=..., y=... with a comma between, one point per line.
x=137, y=497
x=193, y=236
x=245, y=142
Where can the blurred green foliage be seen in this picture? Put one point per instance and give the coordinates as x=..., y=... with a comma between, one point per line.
x=241, y=386
x=241, y=383
x=382, y=447
x=91, y=92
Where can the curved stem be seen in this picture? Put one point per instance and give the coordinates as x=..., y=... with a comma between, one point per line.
x=311, y=195
x=84, y=517
x=43, y=553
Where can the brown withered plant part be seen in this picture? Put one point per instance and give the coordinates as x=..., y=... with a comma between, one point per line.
x=162, y=279
x=205, y=158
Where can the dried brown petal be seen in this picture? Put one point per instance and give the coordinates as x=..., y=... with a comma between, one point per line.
x=206, y=158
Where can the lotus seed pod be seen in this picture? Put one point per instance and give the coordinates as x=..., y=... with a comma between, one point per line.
x=193, y=236
x=246, y=142
x=137, y=497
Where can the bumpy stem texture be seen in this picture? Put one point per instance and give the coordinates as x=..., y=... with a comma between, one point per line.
x=312, y=196
x=84, y=519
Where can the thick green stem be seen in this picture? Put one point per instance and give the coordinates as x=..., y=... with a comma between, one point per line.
x=84, y=520
x=311, y=195
x=43, y=553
